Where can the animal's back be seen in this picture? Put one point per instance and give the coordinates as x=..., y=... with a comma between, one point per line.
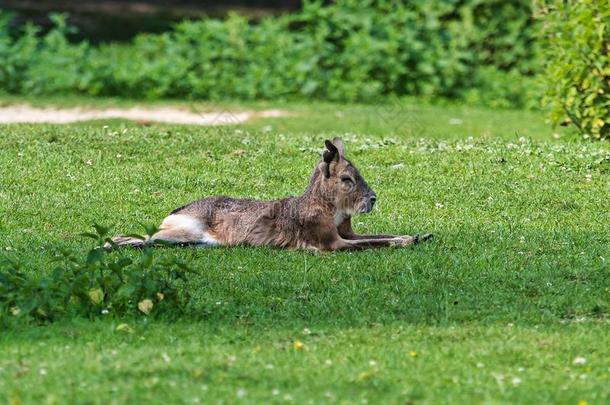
x=231, y=221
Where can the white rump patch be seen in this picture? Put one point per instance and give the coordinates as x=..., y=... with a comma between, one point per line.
x=193, y=227
x=207, y=240
x=184, y=223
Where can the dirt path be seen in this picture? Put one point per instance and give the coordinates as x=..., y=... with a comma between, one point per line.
x=171, y=115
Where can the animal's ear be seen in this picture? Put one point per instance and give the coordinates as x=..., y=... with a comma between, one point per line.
x=330, y=155
x=339, y=145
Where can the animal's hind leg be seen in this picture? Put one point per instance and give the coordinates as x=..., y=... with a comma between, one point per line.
x=175, y=229
x=126, y=241
x=181, y=229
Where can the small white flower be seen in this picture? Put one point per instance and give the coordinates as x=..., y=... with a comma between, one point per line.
x=516, y=381
x=42, y=371
x=241, y=393
x=269, y=366
x=579, y=361
x=105, y=311
x=306, y=331
x=275, y=392
x=89, y=162
x=480, y=365
x=328, y=362
x=166, y=357
x=372, y=363
x=439, y=205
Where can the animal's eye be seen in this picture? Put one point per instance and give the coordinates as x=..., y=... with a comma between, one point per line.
x=347, y=179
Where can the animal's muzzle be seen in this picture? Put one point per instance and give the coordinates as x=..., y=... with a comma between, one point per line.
x=370, y=201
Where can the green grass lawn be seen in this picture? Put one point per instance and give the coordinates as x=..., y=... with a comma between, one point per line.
x=509, y=303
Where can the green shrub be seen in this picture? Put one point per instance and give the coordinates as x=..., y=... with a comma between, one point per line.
x=577, y=36
x=94, y=285
x=345, y=51
x=498, y=89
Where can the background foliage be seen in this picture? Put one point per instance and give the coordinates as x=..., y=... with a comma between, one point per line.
x=482, y=52
x=577, y=35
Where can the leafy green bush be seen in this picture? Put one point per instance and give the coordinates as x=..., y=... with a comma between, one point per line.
x=577, y=36
x=94, y=285
x=345, y=51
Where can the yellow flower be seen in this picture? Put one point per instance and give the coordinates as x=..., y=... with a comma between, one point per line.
x=582, y=402
x=145, y=306
x=124, y=328
x=298, y=345
x=364, y=376
x=413, y=353
x=160, y=296
x=598, y=123
x=96, y=295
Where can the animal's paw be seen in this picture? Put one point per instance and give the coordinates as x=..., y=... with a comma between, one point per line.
x=426, y=237
x=405, y=240
x=408, y=240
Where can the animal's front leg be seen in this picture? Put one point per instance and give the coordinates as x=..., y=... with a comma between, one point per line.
x=346, y=232
x=417, y=237
x=359, y=244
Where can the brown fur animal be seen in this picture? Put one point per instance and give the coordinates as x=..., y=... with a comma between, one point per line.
x=318, y=220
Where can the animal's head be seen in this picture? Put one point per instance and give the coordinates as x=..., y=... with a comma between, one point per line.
x=340, y=182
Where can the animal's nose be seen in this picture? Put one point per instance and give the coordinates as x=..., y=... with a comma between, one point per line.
x=373, y=198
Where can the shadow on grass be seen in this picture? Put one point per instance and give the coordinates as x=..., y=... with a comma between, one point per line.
x=459, y=277
x=462, y=278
